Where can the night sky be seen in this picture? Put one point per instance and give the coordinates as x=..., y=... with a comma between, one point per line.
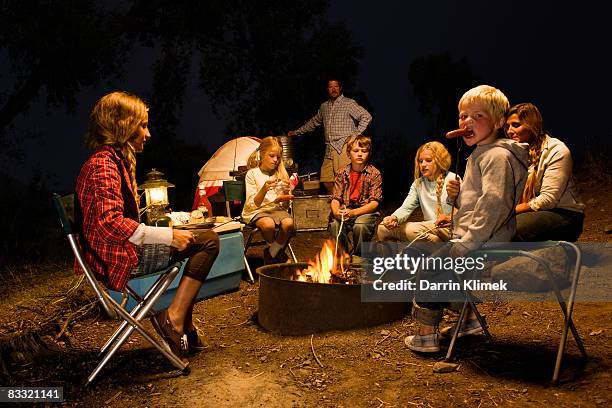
x=553, y=54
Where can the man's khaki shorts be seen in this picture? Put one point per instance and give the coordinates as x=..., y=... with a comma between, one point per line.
x=332, y=165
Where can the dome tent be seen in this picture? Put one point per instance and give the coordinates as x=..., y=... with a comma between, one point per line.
x=226, y=159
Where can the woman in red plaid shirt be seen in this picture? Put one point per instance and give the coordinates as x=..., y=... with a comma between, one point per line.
x=113, y=237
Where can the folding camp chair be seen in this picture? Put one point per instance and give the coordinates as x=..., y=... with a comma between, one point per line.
x=131, y=321
x=236, y=191
x=566, y=308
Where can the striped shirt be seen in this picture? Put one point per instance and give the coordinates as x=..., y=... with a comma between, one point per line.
x=342, y=119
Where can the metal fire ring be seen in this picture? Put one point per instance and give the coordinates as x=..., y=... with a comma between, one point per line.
x=294, y=308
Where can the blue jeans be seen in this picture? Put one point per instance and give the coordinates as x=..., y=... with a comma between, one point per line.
x=363, y=228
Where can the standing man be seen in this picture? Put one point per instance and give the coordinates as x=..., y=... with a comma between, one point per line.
x=343, y=119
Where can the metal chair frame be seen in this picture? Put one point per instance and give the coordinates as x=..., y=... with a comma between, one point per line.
x=131, y=321
x=566, y=308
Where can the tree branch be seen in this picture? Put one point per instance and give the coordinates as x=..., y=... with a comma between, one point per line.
x=19, y=101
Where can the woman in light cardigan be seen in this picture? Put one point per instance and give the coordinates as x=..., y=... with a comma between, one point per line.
x=550, y=208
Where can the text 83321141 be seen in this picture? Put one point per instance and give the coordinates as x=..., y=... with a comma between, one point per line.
x=31, y=394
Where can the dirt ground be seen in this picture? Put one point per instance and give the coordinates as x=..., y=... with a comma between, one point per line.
x=50, y=331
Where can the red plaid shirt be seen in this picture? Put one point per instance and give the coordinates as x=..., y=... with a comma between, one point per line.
x=371, y=187
x=110, y=217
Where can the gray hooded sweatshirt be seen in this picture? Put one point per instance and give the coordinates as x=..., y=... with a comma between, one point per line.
x=492, y=187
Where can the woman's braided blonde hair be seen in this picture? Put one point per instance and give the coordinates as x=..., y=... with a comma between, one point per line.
x=113, y=122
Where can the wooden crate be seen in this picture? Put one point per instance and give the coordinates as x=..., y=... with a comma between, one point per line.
x=311, y=213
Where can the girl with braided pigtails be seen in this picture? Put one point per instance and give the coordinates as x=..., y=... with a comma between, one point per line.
x=428, y=191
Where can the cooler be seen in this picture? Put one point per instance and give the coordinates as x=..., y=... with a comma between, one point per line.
x=224, y=276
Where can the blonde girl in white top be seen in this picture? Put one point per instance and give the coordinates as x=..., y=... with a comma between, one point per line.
x=267, y=196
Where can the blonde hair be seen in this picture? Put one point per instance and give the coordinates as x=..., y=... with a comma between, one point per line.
x=113, y=122
x=495, y=101
x=362, y=141
x=442, y=158
x=531, y=118
x=267, y=144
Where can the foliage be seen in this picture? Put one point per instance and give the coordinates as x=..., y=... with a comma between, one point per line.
x=438, y=82
x=61, y=46
x=29, y=230
x=276, y=64
x=594, y=163
x=262, y=64
x=393, y=155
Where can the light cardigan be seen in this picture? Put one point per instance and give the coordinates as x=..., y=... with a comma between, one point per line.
x=554, y=186
x=423, y=194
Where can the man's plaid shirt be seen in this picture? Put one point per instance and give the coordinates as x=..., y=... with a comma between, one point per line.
x=110, y=217
x=341, y=119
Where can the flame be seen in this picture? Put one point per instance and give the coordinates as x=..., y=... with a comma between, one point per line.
x=324, y=265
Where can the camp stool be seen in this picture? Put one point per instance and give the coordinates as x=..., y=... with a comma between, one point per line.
x=496, y=252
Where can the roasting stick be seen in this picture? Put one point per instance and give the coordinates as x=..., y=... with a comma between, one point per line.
x=456, y=134
x=421, y=235
x=338, y=237
x=339, y=232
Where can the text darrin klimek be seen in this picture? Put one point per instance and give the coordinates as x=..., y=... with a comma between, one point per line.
x=470, y=284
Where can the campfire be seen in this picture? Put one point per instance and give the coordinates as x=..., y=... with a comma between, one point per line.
x=331, y=265
x=302, y=298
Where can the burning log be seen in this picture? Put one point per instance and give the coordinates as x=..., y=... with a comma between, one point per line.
x=329, y=267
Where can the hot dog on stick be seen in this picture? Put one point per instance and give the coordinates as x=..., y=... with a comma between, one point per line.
x=458, y=133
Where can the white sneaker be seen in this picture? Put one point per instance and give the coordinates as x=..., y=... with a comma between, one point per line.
x=423, y=343
x=469, y=328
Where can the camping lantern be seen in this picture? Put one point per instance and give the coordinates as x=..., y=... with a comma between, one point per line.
x=156, y=195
